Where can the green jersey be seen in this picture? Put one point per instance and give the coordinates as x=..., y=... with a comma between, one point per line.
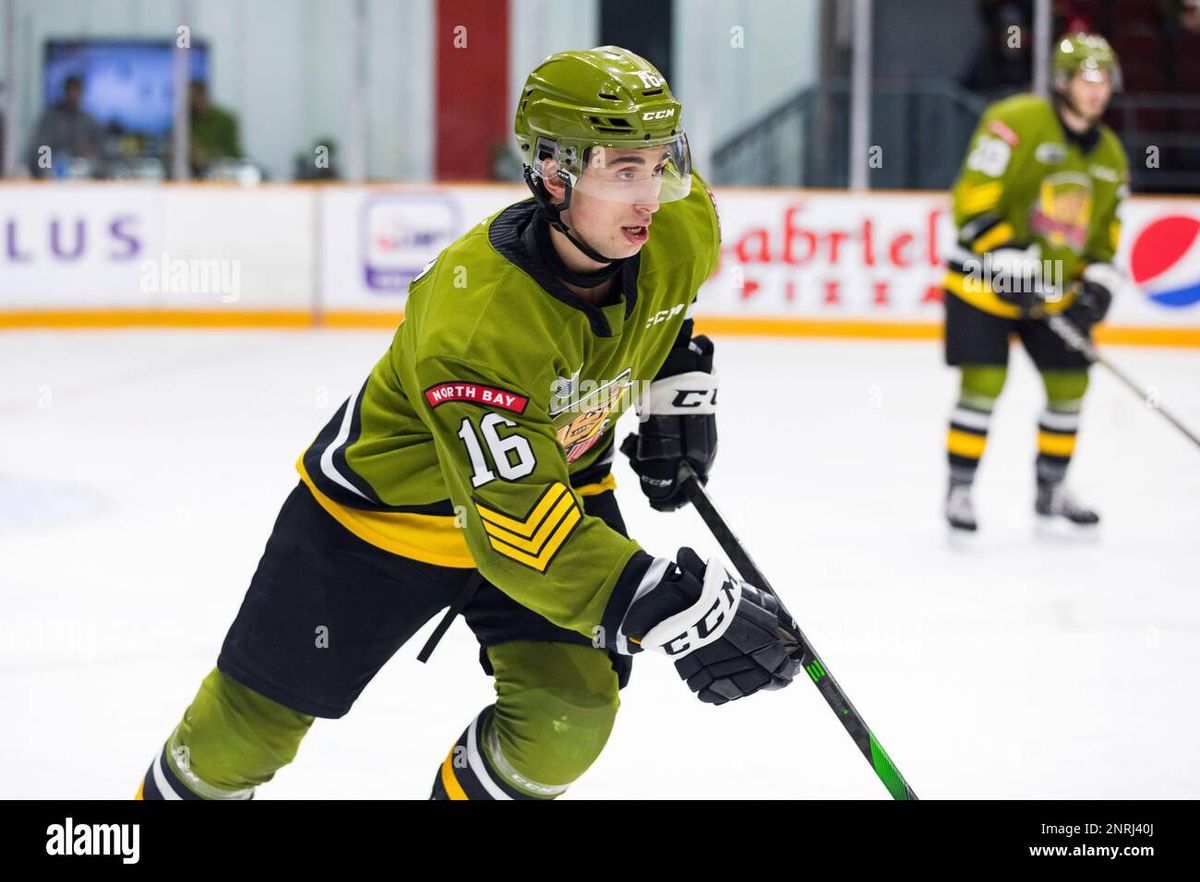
x=1026, y=179
x=492, y=414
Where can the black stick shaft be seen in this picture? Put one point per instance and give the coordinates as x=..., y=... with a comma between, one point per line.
x=817, y=671
x=1078, y=341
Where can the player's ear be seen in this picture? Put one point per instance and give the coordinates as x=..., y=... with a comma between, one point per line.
x=554, y=185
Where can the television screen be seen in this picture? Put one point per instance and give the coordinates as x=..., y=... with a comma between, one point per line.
x=127, y=84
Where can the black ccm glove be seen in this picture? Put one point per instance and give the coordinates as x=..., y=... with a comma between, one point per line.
x=727, y=638
x=1094, y=295
x=678, y=422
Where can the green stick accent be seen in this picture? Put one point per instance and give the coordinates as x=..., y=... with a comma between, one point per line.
x=887, y=772
x=815, y=670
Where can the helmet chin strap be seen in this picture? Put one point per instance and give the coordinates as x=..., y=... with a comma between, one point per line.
x=553, y=215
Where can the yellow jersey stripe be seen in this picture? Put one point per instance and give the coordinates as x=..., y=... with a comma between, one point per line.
x=434, y=539
x=965, y=444
x=527, y=526
x=998, y=234
x=979, y=294
x=608, y=482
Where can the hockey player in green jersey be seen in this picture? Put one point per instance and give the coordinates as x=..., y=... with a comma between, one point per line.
x=471, y=471
x=1036, y=208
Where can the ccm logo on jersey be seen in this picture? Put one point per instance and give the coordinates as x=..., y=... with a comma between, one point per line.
x=475, y=393
x=663, y=314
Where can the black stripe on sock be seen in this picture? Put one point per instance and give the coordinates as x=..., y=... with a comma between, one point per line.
x=959, y=427
x=149, y=788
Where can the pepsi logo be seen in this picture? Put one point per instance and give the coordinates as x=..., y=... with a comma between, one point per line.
x=1165, y=260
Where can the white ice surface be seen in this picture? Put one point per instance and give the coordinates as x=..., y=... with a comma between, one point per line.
x=140, y=473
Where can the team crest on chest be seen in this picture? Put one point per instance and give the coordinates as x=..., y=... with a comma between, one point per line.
x=1063, y=210
x=581, y=414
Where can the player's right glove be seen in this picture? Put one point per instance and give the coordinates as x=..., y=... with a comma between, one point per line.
x=1014, y=272
x=1095, y=295
x=727, y=638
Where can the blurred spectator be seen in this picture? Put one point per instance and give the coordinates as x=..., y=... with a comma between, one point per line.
x=1182, y=14
x=1003, y=63
x=68, y=131
x=214, y=132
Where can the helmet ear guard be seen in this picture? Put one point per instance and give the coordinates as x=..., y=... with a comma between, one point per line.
x=535, y=178
x=535, y=170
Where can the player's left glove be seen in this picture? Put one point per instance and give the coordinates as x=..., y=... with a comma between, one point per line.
x=678, y=423
x=1095, y=295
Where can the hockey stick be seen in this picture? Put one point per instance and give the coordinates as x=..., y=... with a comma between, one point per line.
x=1077, y=340
x=828, y=687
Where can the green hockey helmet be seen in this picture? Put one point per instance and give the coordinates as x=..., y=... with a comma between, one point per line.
x=594, y=113
x=1088, y=55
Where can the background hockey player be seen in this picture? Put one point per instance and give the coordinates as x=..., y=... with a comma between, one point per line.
x=472, y=471
x=1036, y=207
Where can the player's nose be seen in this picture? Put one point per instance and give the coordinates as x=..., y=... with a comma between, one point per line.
x=645, y=209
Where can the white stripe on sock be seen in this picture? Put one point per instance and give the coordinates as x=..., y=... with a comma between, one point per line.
x=479, y=767
x=972, y=419
x=161, y=782
x=1059, y=421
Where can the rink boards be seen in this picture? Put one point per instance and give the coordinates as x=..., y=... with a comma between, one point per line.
x=802, y=262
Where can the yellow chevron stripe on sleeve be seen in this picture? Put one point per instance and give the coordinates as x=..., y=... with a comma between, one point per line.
x=1114, y=234
x=527, y=526
x=535, y=542
x=998, y=234
x=536, y=538
x=979, y=198
x=542, y=559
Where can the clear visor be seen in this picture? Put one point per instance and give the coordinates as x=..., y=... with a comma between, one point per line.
x=1090, y=72
x=637, y=175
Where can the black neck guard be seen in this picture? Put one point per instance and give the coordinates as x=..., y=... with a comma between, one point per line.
x=513, y=235
x=539, y=238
